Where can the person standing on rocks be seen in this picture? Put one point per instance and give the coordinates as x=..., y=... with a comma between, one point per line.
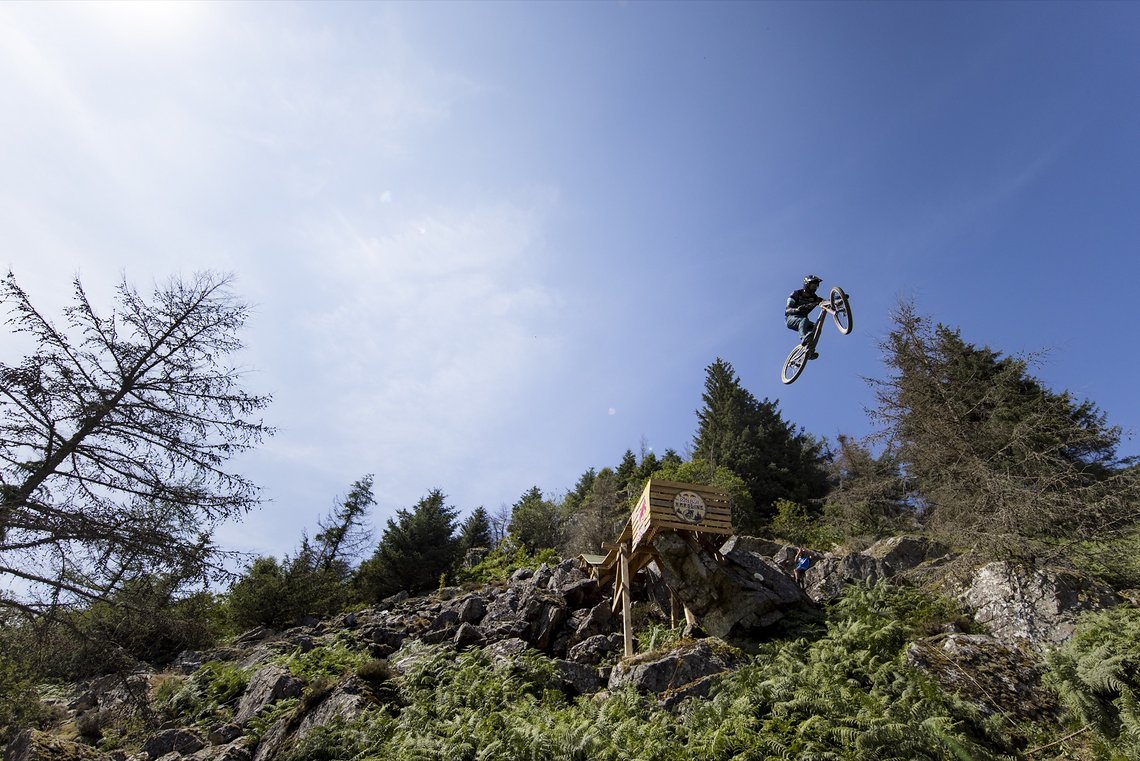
x=802, y=563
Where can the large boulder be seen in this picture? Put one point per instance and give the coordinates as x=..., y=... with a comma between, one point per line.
x=167, y=741
x=345, y=702
x=268, y=685
x=674, y=671
x=526, y=611
x=994, y=677
x=33, y=745
x=831, y=574
x=742, y=596
x=596, y=649
x=239, y=750
x=895, y=556
x=1037, y=607
x=898, y=554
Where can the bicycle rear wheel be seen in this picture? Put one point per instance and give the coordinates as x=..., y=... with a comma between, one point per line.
x=841, y=311
x=795, y=363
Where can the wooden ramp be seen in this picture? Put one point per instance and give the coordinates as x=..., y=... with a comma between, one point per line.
x=697, y=512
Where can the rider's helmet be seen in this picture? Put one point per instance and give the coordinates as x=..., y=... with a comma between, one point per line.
x=811, y=282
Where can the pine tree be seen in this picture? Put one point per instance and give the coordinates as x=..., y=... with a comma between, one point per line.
x=343, y=533
x=417, y=547
x=996, y=458
x=476, y=530
x=116, y=433
x=535, y=521
x=598, y=518
x=579, y=492
x=869, y=493
x=752, y=439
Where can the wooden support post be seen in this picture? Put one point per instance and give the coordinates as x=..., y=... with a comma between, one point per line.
x=626, y=623
x=690, y=619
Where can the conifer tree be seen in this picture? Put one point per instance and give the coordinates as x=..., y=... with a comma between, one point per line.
x=116, y=432
x=476, y=530
x=996, y=459
x=580, y=490
x=752, y=439
x=343, y=533
x=598, y=518
x=417, y=547
x=868, y=497
x=535, y=521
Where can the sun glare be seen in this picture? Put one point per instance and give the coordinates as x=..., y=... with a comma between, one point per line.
x=154, y=19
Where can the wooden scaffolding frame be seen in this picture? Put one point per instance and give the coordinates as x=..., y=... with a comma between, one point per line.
x=697, y=512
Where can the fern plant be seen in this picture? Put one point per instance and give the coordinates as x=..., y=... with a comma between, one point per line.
x=1097, y=676
x=210, y=695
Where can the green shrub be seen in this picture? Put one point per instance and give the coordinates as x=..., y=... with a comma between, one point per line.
x=1116, y=560
x=657, y=637
x=503, y=561
x=278, y=595
x=793, y=524
x=19, y=700
x=144, y=621
x=332, y=661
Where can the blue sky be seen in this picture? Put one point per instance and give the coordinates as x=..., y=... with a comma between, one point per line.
x=492, y=245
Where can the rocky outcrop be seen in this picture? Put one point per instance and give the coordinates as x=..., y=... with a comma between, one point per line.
x=889, y=558
x=167, y=741
x=268, y=685
x=899, y=554
x=346, y=701
x=830, y=574
x=739, y=593
x=742, y=596
x=994, y=677
x=33, y=745
x=1037, y=607
x=686, y=671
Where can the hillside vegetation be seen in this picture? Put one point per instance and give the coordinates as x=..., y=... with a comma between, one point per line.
x=118, y=429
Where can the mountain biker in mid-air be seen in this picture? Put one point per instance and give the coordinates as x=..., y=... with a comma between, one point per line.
x=800, y=303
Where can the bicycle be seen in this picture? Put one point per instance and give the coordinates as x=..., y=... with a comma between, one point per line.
x=838, y=306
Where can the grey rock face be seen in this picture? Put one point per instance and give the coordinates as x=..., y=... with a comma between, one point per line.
x=830, y=575
x=33, y=745
x=994, y=677
x=472, y=610
x=468, y=635
x=578, y=678
x=347, y=701
x=898, y=554
x=677, y=669
x=506, y=650
x=1033, y=606
x=235, y=751
x=268, y=685
x=597, y=648
x=746, y=594
x=182, y=741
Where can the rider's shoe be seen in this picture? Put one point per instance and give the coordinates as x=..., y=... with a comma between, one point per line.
x=813, y=355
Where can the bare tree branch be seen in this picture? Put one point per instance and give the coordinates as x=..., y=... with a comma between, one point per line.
x=114, y=436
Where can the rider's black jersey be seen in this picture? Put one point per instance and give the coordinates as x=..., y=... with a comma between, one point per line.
x=800, y=303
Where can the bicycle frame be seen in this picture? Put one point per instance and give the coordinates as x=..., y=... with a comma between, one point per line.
x=835, y=305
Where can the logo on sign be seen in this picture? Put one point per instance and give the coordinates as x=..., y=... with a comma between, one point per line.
x=689, y=507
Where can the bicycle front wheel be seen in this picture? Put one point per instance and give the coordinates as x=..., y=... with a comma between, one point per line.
x=841, y=311
x=795, y=363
